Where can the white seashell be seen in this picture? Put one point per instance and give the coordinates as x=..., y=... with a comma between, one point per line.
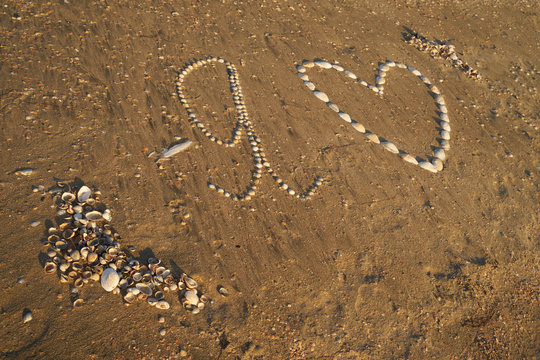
x=338, y=67
x=130, y=297
x=364, y=83
x=440, y=154
x=308, y=64
x=321, y=96
x=50, y=267
x=445, y=144
x=401, y=66
x=444, y=117
x=390, y=147
x=445, y=135
x=332, y=106
x=384, y=67
x=417, y=73
x=309, y=85
x=68, y=197
x=107, y=215
x=145, y=289
x=350, y=74
x=84, y=194
x=176, y=149
x=380, y=80
x=323, y=64
x=435, y=90
x=300, y=68
x=443, y=109
x=427, y=166
x=303, y=76
x=191, y=297
x=358, y=127
x=152, y=301
x=445, y=125
x=163, y=305
x=94, y=216
x=409, y=158
x=27, y=316
x=438, y=164
x=345, y=116
x=372, y=137
x=109, y=279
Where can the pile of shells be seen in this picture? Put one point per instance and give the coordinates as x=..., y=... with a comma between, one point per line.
x=243, y=123
x=84, y=248
x=440, y=50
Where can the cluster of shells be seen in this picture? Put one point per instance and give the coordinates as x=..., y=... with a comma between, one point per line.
x=439, y=50
x=84, y=248
x=439, y=154
x=243, y=123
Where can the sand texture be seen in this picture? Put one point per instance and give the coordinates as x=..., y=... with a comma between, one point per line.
x=385, y=261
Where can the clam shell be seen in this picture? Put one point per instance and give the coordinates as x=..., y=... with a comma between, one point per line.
x=427, y=166
x=68, y=197
x=345, y=116
x=130, y=297
x=323, y=64
x=440, y=154
x=107, y=216
x=84, y=194
x=78, y=303
x=358, y=127
x=321, y=96
x=390, y=147
x=190, y=283
x=94, y=216
x=50, y=267
x=191, y=297
x=163, y=305
x=109, y=279
x=145, y=289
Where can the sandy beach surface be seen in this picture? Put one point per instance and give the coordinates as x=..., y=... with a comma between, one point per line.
x=386, y=261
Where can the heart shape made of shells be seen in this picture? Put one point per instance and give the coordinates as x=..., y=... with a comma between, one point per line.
x=439, y=154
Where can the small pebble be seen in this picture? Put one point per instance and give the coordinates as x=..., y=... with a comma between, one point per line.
x=20, y=280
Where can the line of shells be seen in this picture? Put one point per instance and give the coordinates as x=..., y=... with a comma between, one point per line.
x=242, y=124
x=439, y=154
x=85, y=248
x=440, y=50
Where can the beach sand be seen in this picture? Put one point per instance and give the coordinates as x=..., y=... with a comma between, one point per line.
x=386, y=261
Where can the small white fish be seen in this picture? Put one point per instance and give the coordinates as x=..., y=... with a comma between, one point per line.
x=173, y=150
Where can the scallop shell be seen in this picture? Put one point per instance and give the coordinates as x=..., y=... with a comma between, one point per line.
x=84, y=194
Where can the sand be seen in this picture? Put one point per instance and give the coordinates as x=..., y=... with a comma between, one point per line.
x=387, y=261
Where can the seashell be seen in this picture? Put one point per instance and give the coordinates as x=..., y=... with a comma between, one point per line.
x=163, y=305
x=390, y=147
x=300, y=69
x=159, y=295
x=323, y=64
x=144, y=288
x=427, y=166
x=191, y=297
x=344, y=116
x=308, y=64
x=64, y=267
x=78, y=209
x=443, y=109
x=440, y=154
x=204, y=299
x=350, y=74
x=64, y=278
x=142, y=296
x=332, y=106
x=195, y=310
x=94, y=277
x=68, y=197
x=73, y=275
x=87, y=274
x=445, y=125
x=223, y=291
x=137, y=276
x=445, y=135
x=77, y=266
x=109, y=279
x=116, y=291
x=152, y=301
x=321, y=96
x=154, y=261
x=60, y=244
x=68, y=234
x=372, y=137
x=91, y=201
x=147, y=278
x=51, y=253
x=201, y=306
x=166, y=273
x=408, y=158
x=438, y=164
x=173, y=286
x=53, y=238
x=78, y=303
x=134, y=291
x=92, y=257
x=107, y=215
x=83, y=194
x=445, y=144
x=84, y=252
x=130, y=297
x=338, y=67
x=309, y=85
x=160, y=270
x=190, y=283
x=78, y=282
x=50, y=267
x=444, y=117
x=27, y=316
x=94, y=216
